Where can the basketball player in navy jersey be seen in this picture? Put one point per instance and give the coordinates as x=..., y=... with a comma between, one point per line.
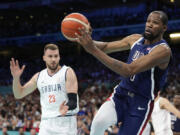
x=132, y=100
x=58, y=93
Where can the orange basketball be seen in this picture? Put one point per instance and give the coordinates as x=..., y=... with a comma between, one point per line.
x=71, y=23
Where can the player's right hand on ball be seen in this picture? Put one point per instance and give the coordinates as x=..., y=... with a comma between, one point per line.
x=63, y=108
x=85, y=40
x=16, y=71
x=85, y=37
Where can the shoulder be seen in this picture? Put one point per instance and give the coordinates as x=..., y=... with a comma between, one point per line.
x=42, y=71
x=68, y=68
x=162, y=48
x=163, y=102
x=70, y=75
x=134, y=37
x=35, y=76
x=70, y=72
x=131, y=39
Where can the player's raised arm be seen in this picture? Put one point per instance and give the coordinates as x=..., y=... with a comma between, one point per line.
x=158, y=56
x=119, y=45
x=107, y=47
x=19, y=90
x=165, y=104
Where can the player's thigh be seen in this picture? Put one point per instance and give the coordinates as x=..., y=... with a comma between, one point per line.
x=67, y=125
x=131, y=127
x=136, y=121
x=44, y=128
x=59, y=126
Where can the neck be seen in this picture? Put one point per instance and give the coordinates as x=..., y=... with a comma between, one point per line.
x=52, y=72
x=148, y=42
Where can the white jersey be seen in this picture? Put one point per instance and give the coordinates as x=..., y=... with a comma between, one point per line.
x=53, y=92
x=161, y=120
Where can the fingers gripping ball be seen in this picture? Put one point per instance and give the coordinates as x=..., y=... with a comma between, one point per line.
x=71, y=23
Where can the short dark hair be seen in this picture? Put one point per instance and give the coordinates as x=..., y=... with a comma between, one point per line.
x=51, y=47
x=163, y=16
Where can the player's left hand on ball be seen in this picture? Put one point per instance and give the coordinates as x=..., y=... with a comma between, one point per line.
x=63, y=108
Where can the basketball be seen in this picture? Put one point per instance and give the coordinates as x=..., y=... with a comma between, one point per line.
x=71, y=23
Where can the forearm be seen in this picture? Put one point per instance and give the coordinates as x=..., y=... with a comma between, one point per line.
x=117, y=66
x=110, y=47
x=100, y=45
x=17, y=88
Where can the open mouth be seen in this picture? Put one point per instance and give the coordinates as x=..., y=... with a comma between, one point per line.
x=148, y=31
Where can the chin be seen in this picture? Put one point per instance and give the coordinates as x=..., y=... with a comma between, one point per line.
x=53, y=68
x=149, y=37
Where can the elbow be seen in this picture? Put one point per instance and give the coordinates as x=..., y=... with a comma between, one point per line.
x=129, y=71
x=18, y=93
x=18, y=96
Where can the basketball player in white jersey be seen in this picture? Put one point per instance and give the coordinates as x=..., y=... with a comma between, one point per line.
x=175, y=121
x=161, y=118
x=58, y=93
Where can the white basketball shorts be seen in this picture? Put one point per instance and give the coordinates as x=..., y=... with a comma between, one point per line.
x=59, y=126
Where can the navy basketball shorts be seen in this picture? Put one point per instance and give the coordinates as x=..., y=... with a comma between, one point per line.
x=133, y=111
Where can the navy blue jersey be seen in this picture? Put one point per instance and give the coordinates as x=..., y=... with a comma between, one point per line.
x=175, y=123
x=146, y=83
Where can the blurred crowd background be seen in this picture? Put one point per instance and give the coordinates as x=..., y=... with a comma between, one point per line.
x=26, y=26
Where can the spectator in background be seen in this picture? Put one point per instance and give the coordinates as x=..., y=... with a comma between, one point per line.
x=33, y=131
x=21, y=131
x=4, y=131
x=27, y=124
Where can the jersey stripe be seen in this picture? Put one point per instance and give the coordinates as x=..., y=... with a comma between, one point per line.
x=136, y=42
x=152, y=83
x=147, y=117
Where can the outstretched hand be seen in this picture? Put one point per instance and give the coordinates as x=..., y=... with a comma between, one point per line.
x=16, y=71
x=85, y=39
x=63, y=108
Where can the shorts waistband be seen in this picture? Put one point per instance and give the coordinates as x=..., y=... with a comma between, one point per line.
x=68, y=115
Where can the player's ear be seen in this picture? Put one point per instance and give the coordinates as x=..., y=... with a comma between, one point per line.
x=165, y=28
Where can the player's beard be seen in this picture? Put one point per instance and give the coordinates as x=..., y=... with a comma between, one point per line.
x=53, y=68
x=151, y=36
